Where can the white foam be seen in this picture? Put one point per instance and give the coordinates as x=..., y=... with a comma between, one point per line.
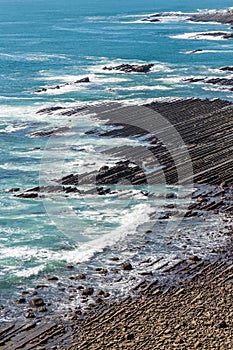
x=142, y=88
x=200, y=36
x=129, y=223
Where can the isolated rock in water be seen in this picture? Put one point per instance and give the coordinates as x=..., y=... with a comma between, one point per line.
x=214, y=81
x=153, y=20
x=129, y=68
x=223, y=35
x=195, y=51
x=83, y=80
x=227, y=69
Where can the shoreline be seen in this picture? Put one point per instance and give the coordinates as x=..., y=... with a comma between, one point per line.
x=187, y=275
x=193, y=311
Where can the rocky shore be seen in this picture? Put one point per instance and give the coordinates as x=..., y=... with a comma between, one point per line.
x=193, y=313
x=223, y=17
x=182, y=304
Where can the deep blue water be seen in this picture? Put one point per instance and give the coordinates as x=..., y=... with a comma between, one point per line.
x=49, y=42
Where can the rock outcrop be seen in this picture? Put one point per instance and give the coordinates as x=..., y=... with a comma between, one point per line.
x=131, y=68
x=57, y=87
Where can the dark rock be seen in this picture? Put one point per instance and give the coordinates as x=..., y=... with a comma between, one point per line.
x=224, y=17
x=80, y=287
x=82, y=276
x=21, y=300
x=42, y=309
x=29, y=314
x=115, y=258
x=88, y=291
x=100, y=292
x=130, y=336
x=15, y=189
x=99, y=301
x=195, y=258
x=27, y=195
x=70, y=267
x=122, y=170
x=83, y=80
x=52, y=278
x=223, y=324
x=152, y=20
x=171, y=195
x=164, y=216
x=36, y=302
x=227, y=69
x=126, y=266
x=49, y=109
x=196, y=51
x=41, y=286
x=128, y=68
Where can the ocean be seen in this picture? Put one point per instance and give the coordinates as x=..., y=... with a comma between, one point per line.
x=57, y=42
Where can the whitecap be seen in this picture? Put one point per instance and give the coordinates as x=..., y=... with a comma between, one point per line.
x=200, y=36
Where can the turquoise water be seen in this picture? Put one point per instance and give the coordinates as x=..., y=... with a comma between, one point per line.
x=45, y=43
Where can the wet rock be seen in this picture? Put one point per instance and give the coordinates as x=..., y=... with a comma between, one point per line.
x=24, y=292
x=195, y=258
x=99, y=301
x=88, y=291
x=70, y=267
x=171, y=195
x=152, y=20
x=27, y=195
x=36, y=302
x=57, y=87
x=82, y=276
x=128, y=68
x=115, y=258
x=41, y=286
x=83, y=80
x=164, y=216
x=14, y=189
x=125, y=170
x=100, y=292
x=196, y=51
x=52, y=278
x=21, y=300
x=227, y=69
x=80, y=287
x=42, y=308
x=29, y=314
x=126, y=266
x=49, y=109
